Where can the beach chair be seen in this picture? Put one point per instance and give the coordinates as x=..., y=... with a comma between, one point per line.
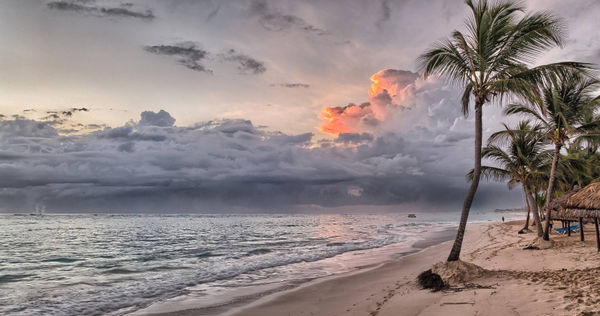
x=564, y=230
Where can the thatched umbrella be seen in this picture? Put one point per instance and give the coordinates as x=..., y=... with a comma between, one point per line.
x=557, y=206
x=559, y=212
x=584, y=203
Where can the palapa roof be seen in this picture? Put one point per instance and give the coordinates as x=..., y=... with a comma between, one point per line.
x=587, y=198
x=580, y=203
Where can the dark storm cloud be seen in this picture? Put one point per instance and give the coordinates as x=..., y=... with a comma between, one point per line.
x=187, y=54
x=245, y=63
x=126, y=147
x=273, y=20
x=214, y=165
x=127, y=133
x=10, y=156
x=161, y=118
x=22, y=127
x=90, y=7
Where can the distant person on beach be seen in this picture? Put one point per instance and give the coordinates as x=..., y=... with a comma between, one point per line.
x=503, y=219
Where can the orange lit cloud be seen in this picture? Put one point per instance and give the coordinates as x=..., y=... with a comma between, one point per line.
x=388, y=89
x=343, y=119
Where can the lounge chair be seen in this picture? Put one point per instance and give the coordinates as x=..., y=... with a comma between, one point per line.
x=564, y=230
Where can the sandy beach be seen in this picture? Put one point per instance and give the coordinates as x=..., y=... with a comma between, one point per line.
x=561, y=280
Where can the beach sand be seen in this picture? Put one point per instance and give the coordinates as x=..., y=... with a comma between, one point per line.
x=516, y=281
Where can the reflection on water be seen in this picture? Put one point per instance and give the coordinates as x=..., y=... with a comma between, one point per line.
x=86, y=264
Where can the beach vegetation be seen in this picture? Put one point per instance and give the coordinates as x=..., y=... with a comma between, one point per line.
x=493, y=60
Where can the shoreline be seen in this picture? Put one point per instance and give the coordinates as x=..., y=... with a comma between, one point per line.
x=387, y=254
x=410, y=264
x=561, y=280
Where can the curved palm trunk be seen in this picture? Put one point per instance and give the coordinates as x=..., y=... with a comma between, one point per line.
x=550, y=190
x=455, y=252
x=537, y=202
x=528, y=210
x=534, y=207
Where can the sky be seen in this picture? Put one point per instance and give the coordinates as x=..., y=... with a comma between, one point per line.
x=234, y=106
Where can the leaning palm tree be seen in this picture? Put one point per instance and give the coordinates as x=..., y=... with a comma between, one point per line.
x=490, y=60
x=519, y=156
x=565, y=103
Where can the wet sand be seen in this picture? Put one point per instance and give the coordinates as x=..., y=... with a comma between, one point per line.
x=561, y=280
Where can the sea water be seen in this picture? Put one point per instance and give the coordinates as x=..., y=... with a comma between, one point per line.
x=86, y=264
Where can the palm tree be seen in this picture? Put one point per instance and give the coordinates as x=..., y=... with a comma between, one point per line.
x=519, y=162
x=490, y=61
x=579, y=167
x=564, y=104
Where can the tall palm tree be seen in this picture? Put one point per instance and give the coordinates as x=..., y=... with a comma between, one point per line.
x=566, y=100
x=490, y=61
x=519, y=156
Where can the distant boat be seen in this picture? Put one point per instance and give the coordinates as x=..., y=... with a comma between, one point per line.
x=412, y=216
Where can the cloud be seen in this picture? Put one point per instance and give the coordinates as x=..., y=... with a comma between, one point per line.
x=389, y=90
x=187, y=54
x=245, y=64
x=152, y=164
x=292, y=85
x=213, y=13
x=386, y=13
x=160, y=118
x=401, y=101
x=346, y=119
x=127, y=133
x=353, y=138
x=126, y=147
x=395, y=82
x=70, y=112
x=273, y=20
x=89, y=7
x=20, y=127
x=63, y=120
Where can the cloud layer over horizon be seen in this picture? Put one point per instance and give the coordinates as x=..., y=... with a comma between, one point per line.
x=164, y=105
x=223, y=165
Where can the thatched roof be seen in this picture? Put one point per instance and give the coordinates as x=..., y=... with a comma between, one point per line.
x=587, y=198
x=581, y=203
x=559, y=203
x=558, y=206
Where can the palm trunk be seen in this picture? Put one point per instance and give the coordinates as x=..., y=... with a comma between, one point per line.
x=455, y=252
x=528, y=209
x=557, y=147
x=538, y=206
x=536, y=214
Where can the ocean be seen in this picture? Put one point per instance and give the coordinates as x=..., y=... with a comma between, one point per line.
x=86, y=264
